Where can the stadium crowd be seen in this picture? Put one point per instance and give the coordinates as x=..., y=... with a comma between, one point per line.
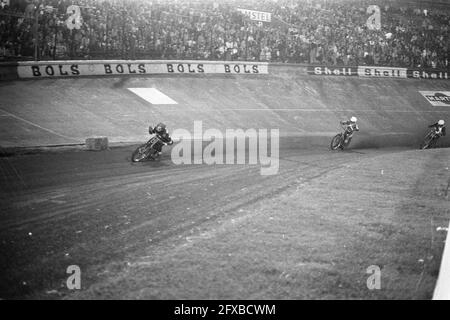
x=300, y=31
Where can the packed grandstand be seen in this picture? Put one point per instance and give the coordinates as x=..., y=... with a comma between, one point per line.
x=331, y=32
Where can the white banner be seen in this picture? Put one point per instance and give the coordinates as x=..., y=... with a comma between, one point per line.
x=442, y=289
x=257, y=15
x=382, y=72
x=437, y=98
x=49, y=69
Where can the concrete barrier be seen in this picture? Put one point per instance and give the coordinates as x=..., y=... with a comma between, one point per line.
x=97, y=143
x=8, y=71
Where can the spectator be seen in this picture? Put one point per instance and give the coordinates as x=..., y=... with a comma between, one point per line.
x=313, y=32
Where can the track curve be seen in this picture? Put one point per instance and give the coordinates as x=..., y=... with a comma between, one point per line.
x=96, y=209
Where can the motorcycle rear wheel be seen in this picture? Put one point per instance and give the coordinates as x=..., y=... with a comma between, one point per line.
x=432, y=143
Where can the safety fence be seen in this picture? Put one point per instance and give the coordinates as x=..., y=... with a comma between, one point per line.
x=83, y=68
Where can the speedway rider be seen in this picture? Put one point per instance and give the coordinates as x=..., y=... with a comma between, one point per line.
x=162, y=133
x=439, y=128
x=350, y=127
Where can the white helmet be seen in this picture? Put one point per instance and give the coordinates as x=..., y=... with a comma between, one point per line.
x=441, y=122
x=353, y=119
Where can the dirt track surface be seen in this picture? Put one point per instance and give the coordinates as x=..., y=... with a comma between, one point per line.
x=140, y=230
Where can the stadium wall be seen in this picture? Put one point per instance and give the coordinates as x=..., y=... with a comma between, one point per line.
x=304, y=103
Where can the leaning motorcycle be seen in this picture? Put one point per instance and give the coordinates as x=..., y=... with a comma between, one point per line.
x=148, y=150
x=339, y=141
x=430, y=140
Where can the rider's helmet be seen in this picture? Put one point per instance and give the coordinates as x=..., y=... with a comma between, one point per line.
x=353, y=119
x=160, y=128
x=441, y=122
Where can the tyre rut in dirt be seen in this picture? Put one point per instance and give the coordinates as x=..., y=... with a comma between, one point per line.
x=336, y=142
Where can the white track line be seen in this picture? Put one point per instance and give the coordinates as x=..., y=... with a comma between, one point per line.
x=153, y=95
x=442, y=289
x=36, y=125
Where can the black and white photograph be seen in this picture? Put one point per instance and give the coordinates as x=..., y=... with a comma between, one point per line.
x=253, y=151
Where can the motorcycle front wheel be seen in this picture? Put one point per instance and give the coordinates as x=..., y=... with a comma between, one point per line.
x=428, y=142
x=336, y=142
x=141, y=153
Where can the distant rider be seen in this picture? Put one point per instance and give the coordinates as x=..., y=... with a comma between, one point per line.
x=163, y=134
x=439, y=128
x=350, y=127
